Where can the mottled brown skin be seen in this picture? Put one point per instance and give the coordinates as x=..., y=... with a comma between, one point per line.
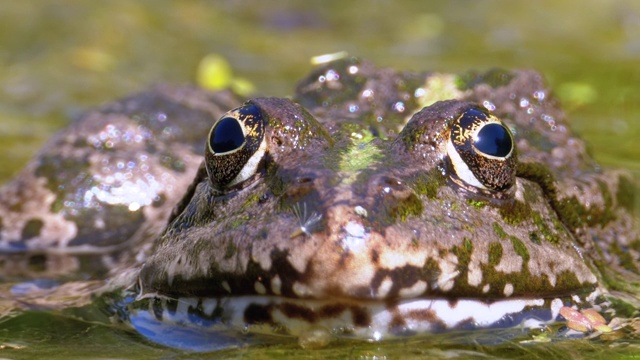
x=595, y=203
x=416, y=238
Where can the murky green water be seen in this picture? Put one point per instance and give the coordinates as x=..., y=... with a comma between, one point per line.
x=59, y=57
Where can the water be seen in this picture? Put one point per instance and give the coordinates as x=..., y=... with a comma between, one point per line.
x=59, y=57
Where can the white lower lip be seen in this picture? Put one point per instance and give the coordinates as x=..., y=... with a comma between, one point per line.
x=443, y=315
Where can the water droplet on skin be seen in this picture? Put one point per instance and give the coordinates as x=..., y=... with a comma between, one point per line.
x=488, y=105
x=332, y=75
x=539, y=95
x=398, y=107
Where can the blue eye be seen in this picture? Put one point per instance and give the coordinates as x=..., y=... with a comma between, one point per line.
x=494, y=139
x=226, y=135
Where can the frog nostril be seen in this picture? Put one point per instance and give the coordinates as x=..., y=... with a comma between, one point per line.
x=391, y=181
x=276, y=140
x=391, y=186
x=393, y=200
x=304, y=180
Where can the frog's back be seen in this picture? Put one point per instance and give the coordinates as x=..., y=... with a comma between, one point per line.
x=105, y=185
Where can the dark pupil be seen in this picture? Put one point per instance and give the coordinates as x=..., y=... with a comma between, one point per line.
x=493, y=139
x=227, y=136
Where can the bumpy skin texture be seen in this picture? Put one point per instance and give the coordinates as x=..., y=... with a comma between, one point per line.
x=392, y=224
x=410, y=244
x=352, y=200
x=106, y=184
x=595, y=204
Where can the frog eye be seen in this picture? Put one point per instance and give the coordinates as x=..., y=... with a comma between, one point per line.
x=235, y=146
x=482, y=151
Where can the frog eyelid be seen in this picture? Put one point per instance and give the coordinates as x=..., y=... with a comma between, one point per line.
x=251, y=166
x=461, y=169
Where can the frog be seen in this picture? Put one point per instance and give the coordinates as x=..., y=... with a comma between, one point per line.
x=373, y=203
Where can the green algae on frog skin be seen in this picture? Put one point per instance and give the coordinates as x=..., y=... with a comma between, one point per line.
x=428, y=183
x=438, y=87
x=477, y=203
x=360, y=155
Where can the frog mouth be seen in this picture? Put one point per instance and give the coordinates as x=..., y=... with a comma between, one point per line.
x=155, y=314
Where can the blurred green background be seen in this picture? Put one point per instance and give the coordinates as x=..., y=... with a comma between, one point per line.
x=59, y=57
